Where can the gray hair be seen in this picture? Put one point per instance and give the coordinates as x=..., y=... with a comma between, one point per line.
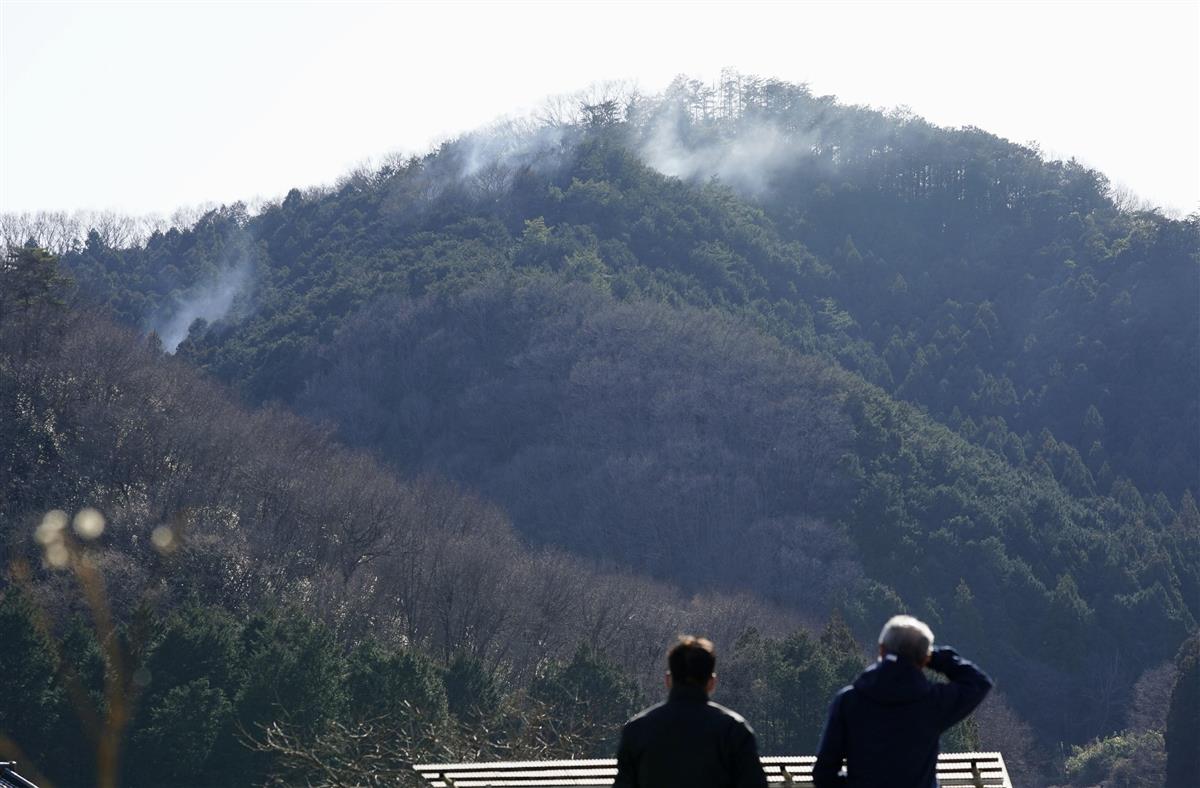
x=908, y=638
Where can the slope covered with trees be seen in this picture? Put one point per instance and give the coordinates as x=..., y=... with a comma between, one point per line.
x=254, y=588
x=958, y=271
x=828, y=357
x=683, y=444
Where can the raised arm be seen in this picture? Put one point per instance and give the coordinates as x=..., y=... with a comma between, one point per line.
x=967, y=688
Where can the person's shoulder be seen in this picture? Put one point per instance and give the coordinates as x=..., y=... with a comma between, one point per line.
x=729, y=714
x=644, y=714
x=844, y=695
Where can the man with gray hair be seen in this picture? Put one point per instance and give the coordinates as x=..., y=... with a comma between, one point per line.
x=886, y=725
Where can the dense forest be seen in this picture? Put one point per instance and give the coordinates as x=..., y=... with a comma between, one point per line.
x=487, y=427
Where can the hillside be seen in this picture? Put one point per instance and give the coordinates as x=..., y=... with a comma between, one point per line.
x=262, y=574
x=820, y=360
x=684, y=445
x=1003, y=293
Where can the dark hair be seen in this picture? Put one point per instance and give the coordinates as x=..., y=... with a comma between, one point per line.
x=692, y=660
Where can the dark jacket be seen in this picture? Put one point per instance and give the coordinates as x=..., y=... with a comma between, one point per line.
x=688, y=741
x=886, y=725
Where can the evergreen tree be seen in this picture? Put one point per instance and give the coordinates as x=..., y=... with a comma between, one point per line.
x=587, y=700
x=34, y=703
x=1183, y=718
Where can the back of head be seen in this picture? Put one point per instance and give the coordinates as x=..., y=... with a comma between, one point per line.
x=908, y=638
x=692, y=661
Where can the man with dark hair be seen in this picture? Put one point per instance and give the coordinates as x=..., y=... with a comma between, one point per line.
x=886, y=725
x=689, y=741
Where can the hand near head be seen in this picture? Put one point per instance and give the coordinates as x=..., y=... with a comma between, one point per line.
x=942, y=659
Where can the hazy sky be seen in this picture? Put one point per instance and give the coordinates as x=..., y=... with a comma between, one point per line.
x=143, y=107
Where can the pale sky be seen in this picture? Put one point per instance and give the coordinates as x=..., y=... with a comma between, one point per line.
x=144, y=107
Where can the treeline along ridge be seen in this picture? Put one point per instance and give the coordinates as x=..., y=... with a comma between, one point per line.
x=741, y=359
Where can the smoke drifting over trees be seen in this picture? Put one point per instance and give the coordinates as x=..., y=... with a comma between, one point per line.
x=207, y=303
x=734, y=358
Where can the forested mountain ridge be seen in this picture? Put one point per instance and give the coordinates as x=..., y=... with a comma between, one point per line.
x=264, y=510
x=627, y=431
x=253, y=573
x=961, y=272
x=579, y=321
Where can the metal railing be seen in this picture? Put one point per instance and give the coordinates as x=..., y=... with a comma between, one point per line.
x=954, y=770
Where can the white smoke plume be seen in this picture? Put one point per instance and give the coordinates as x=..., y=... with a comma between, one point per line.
x=209, y=302
x=481, y=165
x=744, y=162
x=745, y=155
x=510, y=146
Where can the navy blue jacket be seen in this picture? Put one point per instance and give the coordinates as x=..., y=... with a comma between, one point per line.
x=887, y=723
x=689, y=742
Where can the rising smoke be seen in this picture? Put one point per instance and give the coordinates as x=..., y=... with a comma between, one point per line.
x=745, y=160
x=209, y=302
x=510, y=147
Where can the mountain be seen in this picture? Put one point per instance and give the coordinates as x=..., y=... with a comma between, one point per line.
x=248, y=570
x=954, y=269
x=745, y=338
